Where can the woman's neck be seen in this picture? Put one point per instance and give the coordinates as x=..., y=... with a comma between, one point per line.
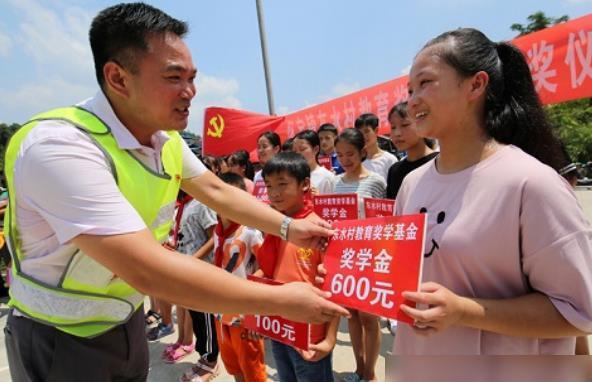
x=464, y=149
x=418, y=151
x=357, y=174
x=313, y=166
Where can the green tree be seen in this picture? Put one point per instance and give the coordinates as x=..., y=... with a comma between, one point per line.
x=6, y=132
x=573, y=123
x=193, y=140
x=573, y=119
x=537, y=21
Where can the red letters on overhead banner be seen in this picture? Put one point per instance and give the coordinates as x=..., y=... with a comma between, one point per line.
x=560, y=60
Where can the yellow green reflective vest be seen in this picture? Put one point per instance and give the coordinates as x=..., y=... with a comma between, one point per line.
x=89, y=299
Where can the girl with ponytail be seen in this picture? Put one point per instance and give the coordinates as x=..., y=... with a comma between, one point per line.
x=508, y=260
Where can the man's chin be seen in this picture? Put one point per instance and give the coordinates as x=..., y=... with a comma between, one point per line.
x=179, y=126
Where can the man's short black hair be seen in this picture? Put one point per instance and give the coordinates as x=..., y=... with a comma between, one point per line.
x=367, y=119
x=289, y=162
x=233, y=179
x=120, y=33
x=329, y=127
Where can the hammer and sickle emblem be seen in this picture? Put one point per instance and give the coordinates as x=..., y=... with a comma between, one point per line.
x=216, y=126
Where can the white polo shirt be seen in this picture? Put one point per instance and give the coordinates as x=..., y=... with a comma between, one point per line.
x=64, y=187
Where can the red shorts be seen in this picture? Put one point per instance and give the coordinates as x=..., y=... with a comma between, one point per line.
x=241, y=355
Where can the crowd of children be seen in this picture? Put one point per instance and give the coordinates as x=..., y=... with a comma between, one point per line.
x=496, y=161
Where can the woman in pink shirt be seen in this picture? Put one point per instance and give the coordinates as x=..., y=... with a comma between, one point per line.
x=508, y=262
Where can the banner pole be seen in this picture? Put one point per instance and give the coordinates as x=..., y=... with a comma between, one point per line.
x=265, y=59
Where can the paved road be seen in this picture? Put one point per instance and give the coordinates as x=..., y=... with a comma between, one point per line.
x=343, y=360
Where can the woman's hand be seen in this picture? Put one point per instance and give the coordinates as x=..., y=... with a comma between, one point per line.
x=444, y=308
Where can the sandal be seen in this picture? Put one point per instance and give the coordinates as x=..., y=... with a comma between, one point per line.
x=152, y=317
x=201, y=372
x=169, y=349
x=178, y=354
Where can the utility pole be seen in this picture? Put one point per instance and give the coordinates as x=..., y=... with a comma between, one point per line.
x=265, y=60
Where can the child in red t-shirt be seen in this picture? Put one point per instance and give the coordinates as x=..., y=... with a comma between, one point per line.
x=287, y=178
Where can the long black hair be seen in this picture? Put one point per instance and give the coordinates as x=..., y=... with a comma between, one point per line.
x=353, y=137
x=241, y=158
x=272, y=137
x=513, y=111
x=312, y=138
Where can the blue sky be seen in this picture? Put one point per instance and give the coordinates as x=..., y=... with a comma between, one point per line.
x=318, y=50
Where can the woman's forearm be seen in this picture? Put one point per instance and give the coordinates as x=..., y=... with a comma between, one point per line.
x=531, y=315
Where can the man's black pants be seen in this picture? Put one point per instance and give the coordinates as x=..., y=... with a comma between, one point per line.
x=38, y=352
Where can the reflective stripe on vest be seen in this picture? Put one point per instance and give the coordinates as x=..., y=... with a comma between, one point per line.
x=68, y=307
x=90, y=299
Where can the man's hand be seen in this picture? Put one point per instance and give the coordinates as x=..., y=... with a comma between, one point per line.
x=311, y=232
x=302, y=302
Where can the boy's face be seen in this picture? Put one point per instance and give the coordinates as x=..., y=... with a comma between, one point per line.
x=370, y=136
x=327, y=139
x=285, y=193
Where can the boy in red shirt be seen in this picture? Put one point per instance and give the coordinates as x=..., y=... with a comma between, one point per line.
x=235, y=247
x=287, y=178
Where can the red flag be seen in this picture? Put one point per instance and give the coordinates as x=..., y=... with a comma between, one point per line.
x=228, y=130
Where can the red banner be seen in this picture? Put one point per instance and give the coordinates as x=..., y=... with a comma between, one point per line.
x=228, y=130
x=333, y=207
x=343, y=111
x=370, y=262
x=378, y=207
x=292, y=333
x=560, y=59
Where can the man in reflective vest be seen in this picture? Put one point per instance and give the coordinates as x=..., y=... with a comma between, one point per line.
x=91, y=194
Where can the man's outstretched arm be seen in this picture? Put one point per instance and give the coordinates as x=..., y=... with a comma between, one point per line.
x=143, y=263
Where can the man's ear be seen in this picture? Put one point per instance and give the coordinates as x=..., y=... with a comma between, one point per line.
x=116, y=78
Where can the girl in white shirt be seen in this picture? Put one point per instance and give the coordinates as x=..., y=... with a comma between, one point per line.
x=268, y=144
x=307, y=144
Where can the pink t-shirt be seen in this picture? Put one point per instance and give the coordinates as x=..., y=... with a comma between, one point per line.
x=504, y=227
